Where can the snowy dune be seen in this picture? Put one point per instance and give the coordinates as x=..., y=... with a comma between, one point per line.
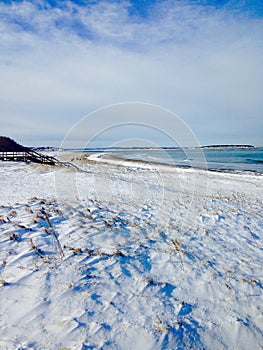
x=130, y=257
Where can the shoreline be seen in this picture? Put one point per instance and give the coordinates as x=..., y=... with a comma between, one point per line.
x=110, y=159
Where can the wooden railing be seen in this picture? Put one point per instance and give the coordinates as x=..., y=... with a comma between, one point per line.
x=27, y=156
x=32, y=156
x=13, y=156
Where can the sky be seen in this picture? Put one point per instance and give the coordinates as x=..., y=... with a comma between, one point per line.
x=63, y=60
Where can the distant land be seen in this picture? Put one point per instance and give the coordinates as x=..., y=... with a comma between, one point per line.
x=50, y=148
x=228, y=146
x=47, y=148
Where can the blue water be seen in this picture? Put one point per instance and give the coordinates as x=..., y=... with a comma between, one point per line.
x=223, y=159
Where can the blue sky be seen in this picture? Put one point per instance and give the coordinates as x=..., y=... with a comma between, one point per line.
x=202, y=60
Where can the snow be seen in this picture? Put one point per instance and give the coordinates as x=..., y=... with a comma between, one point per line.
x=151, y=258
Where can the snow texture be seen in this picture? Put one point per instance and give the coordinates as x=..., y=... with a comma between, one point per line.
x=130, y=257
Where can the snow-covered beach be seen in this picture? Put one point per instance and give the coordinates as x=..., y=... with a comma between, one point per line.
x=130, y=256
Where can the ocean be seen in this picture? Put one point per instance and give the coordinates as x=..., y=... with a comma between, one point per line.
x=218, y=159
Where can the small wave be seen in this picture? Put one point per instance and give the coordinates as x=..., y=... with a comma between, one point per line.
x=143, y=160
x=254, y=161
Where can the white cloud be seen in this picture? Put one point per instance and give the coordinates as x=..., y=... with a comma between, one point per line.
x=57, y=65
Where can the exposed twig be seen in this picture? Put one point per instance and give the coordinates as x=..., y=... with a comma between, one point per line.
x=252, y=235
x=35, y=248
x=177, y=244
x=59, y=247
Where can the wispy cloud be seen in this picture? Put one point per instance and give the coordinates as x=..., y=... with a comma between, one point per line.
x=58, y=63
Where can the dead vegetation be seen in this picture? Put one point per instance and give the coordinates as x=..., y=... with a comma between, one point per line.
x=160, y=326
x=52, y=231
x=35, y=248
x=178, y=248
x=13, y=237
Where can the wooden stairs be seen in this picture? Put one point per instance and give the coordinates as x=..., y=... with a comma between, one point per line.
x=31, y=155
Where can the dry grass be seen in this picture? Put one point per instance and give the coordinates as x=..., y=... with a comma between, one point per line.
x=13, y=237
x=52, y=231
x=35, y=248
